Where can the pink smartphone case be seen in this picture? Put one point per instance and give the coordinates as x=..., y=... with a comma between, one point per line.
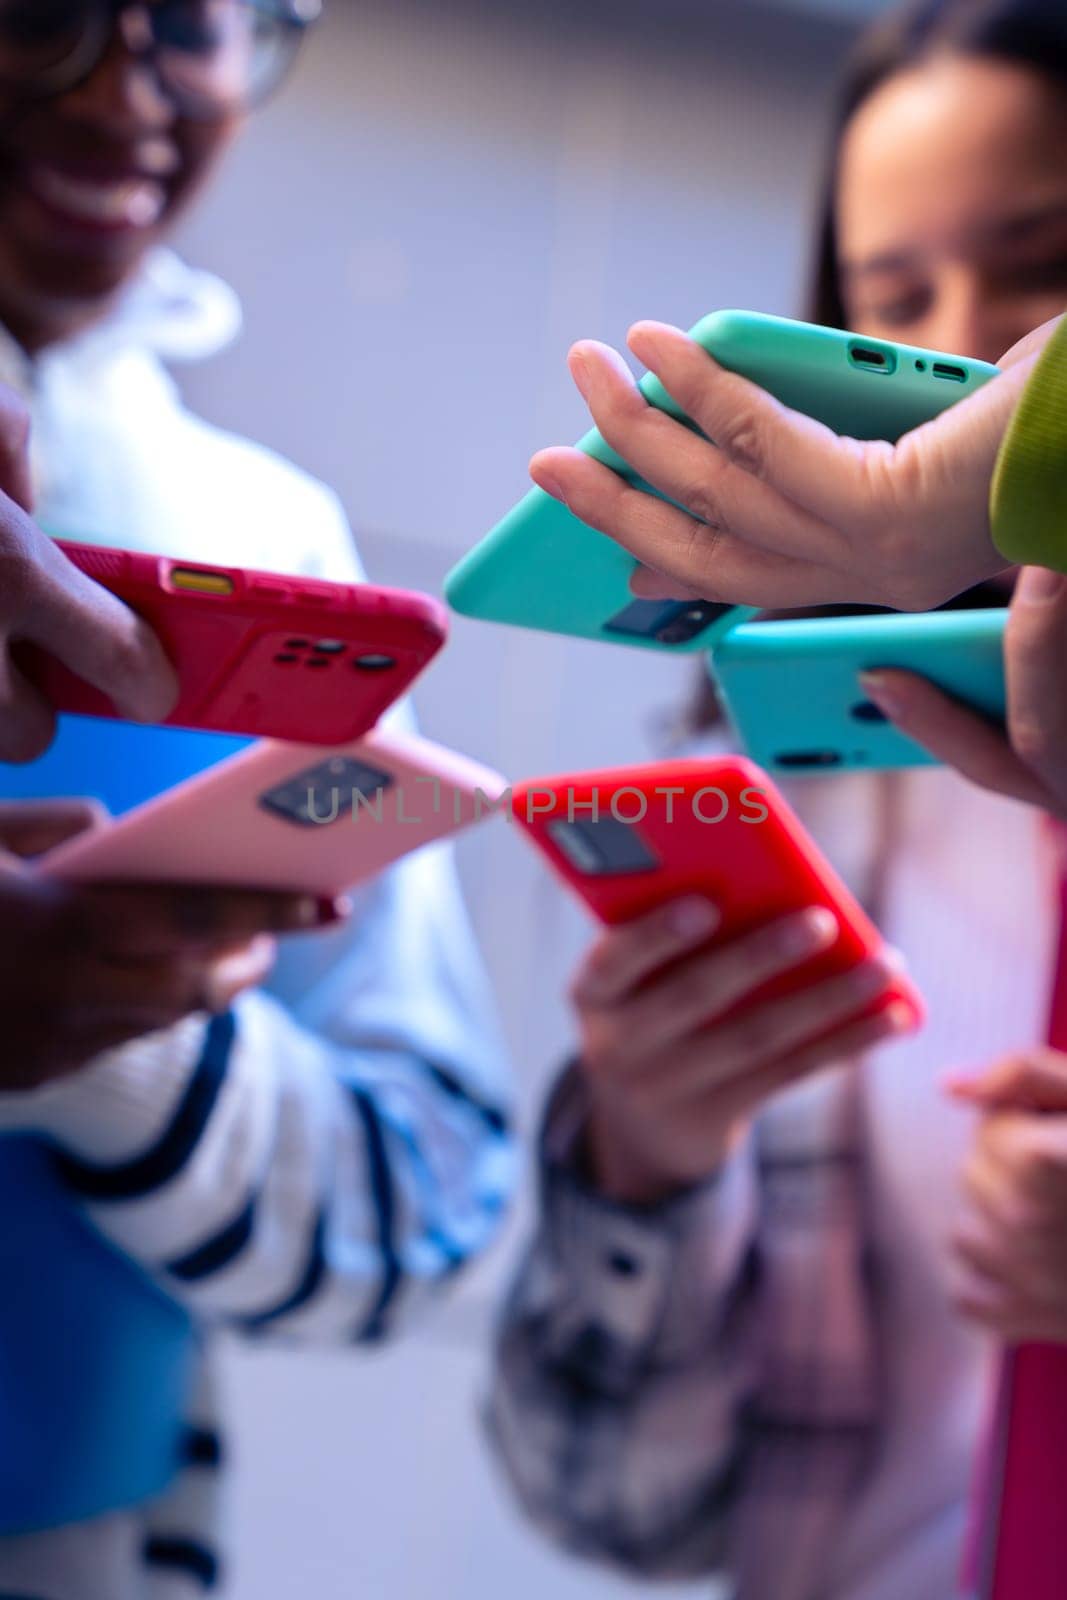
x=216, y=828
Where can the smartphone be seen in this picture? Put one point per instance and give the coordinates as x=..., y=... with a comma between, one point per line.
x=792, y=689
x=628, y=839
x=258, y=653
x=287, y=816
x=543, y=568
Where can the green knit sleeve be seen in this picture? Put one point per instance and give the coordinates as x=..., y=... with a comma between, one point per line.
x=1028, y=499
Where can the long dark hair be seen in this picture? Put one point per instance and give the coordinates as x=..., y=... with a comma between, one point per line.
x=1025, y=33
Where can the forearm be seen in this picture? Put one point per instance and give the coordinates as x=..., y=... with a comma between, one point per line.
x=272, y=1179
x=624, y=1329
x=317, y=1162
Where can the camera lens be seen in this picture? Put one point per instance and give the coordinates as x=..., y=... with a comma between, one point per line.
x=686, y=622
x=808, y=758
x=676, y=633
x=867, y=711
x=372, y=663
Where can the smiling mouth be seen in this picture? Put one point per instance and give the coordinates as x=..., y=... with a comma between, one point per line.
x=135, y=202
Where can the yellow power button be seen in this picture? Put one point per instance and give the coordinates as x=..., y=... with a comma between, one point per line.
x=201, y=582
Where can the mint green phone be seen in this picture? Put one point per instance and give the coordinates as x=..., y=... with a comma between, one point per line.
x=792, y=689
x=543, y=568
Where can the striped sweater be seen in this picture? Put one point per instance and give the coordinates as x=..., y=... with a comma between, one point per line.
x=313, y=1165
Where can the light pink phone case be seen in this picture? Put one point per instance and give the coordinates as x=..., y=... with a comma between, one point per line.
x=215, y=828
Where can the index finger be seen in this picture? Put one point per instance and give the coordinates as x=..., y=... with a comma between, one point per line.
x=131, y=921
x=1035, y=667
x=625, y=956
x=954, y=733
x=804, y=460
x=706, y=561
x=49, y=602
x=30, y=827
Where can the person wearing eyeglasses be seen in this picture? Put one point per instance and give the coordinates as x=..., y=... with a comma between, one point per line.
x=201, y=1129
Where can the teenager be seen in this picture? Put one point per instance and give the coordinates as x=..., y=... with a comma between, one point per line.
x=303, y=1142
x=755, y=1331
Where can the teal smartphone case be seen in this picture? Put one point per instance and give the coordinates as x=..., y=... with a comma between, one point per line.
x=792, y=689
x=543, y=568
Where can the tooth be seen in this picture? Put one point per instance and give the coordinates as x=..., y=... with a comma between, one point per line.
x=137, y=201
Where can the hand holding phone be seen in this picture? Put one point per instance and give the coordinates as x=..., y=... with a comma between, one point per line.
x=736, y=960
x=641, y=489
x=768, y=508
x=799, y=695
x=672, y=1080
x=256, y=653
x=85, y=969
x=1026, y=758
x=48, y=604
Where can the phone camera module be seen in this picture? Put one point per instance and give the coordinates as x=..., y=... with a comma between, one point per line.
x=689, y=620
x=808, y=759
x=867, y=711
x=327, y=793
x=667, y=621
x=602, y=848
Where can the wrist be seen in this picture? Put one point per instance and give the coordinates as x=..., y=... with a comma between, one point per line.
x=624, y=1165
x=1030, y=476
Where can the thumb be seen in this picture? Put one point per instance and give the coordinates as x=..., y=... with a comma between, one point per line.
x=1032, y=1081
x=15, y=478
x=30, y=827
x=1031, y=344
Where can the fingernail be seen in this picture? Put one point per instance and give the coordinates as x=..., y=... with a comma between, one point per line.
x=811, y=931
x=231, y=974
x=900, y=1017
x=306, y=911
x=958, y=1084
x=870, y=978
x=581, y=373
x=550, y=486
x=145, y=709
x=152, y=696
x=1038, y=585
x=885, y=698
x=320, y=911
x=692, y=918
x=331, y=909
x=261, y=950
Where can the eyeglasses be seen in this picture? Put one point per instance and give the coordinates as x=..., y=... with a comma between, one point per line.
x=209, y=56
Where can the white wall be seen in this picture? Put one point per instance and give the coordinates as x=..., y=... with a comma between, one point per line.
x=445, y=198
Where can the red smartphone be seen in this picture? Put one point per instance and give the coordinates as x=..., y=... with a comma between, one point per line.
x=259, y=653
x=627, y=839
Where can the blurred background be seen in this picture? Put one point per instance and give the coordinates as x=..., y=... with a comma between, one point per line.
x=445, y=197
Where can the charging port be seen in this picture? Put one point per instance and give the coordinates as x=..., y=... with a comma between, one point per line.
x=944, y=369
x=873, y=359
